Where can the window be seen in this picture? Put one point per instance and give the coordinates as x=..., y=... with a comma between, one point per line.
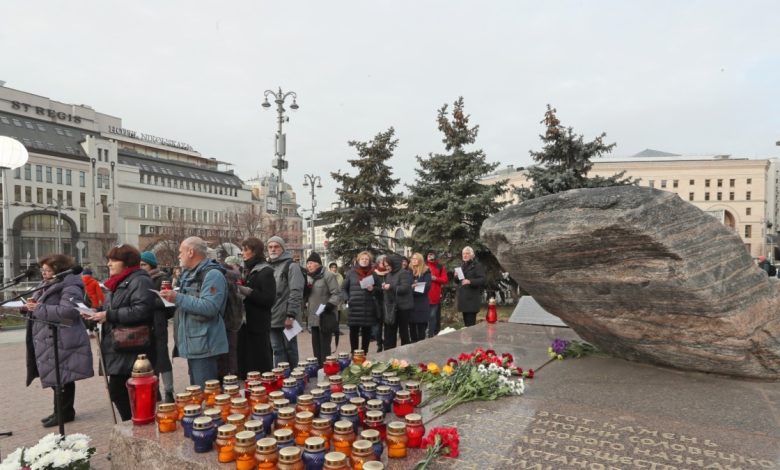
x=59, y=197
x=18, y=173
x=706, y=196
x=142, y=209
x=156, y=212
x=39, y=173
x=690, y=196
x=106, y=180
x=731, y=196
x=747, y=196
x=106, y=224
x=749, y=211
x=720, y=196
x=48, y=174
x=69, y=198
x=18, y=193
x=194, y=215
x=748, y=231
x=731, y=183
x=675, y=183
x=83, y=222
x=68, y=177
x=39, y=195
x=651, y=183
x=663, y=183
x=170, y=213
x=749, y=180
x=27, y=171
x=720, y=183
x=104, y=202
x=691, y=182
x=59, y=175
x=141, y=175
x=49, y=197
x=706, y=183
x=82, y=179
x=28, y=194
x=82, y=199
x=99, y=180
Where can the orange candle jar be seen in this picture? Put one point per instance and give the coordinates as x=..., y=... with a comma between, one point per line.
x=182, y=399
x=302, y=427
x=240, y=406
x=285, y=418
x=290, y=458
x=336, y=461
x=223, y=403
x=211, y=390
x=358, y=357
x=276, y=395
x=237, y=420
x=167, y=415
x=284, y=438
x=306, y=403
x=244, y=451
x=321, y=427
x=267, y=455
x=362, y=452
x=233, y=390
x=343, y=437
x=226, y=442
x=197, y=394
x=396, y=440
x=257, y=395
x=374, y=465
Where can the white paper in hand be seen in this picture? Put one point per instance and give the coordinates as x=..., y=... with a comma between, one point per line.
x=165, y=302
x=420, y=287
x=291, y=333
x=320, y=310
x=366, y=281
x=459, y=273
x=14, y=304
x=82, y=308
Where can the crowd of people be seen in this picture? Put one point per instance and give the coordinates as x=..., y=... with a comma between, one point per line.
x=230, y=317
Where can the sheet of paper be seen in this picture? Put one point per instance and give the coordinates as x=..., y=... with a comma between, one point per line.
x=82, y=308
x=14, y=304
x=165, y=302
x=320, y=309
x=420, y=287
x=459, y=273
x=366, y=281
x=291, y=333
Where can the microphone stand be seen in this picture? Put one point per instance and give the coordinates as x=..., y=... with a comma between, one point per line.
x=54, y=326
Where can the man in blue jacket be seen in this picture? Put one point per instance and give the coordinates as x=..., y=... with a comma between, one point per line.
x=200, y=301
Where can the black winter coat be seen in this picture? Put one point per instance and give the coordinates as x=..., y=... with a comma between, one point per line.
x=132, y=303
x=161, y=314
x=399, y=295
x=470, y=296
x=57, y=303
x=258, y=304
x=422, y=305
x=362, y=303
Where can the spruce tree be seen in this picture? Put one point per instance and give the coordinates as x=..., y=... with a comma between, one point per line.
x=368, y=202
x=565, y=160
x=447, y=204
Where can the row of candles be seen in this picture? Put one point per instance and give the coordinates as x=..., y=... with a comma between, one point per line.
x=272, y=423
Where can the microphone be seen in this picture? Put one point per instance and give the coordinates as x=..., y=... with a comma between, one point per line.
x=73, y=270
x=24, y=275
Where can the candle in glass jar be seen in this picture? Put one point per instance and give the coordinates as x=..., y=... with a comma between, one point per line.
x=211, y=390
x=267, y=454
x=167, y=415
x=226, y=442
x=245, y=451
x=396, y=440
x=415, y=430
x=415, y=392
x=402, y=404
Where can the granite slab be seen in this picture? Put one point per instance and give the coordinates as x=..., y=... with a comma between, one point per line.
x=529, y=312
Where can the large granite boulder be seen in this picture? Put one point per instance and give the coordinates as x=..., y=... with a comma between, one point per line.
x=644, y=276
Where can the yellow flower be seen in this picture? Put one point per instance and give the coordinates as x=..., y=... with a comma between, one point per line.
x=560, y=358
x=433, y=368
x=447, y=369
x=395, y=363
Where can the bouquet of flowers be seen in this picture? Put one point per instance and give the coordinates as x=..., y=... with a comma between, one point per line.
x=439, y=442
x=53, y=451
x=353, y=373
x=562, y=348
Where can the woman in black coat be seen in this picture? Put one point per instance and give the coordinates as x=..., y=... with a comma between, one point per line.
x=398, y=302
x=362, y=313
x=162, y=364
x=259, y=291
x=470, y=287
x=130, y=302
x=56, y=302
x=421, y=284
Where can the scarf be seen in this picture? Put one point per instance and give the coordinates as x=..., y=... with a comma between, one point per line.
x=113, y=282
x=363, y=272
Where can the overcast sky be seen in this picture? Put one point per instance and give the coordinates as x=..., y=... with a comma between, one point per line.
x=686, y=77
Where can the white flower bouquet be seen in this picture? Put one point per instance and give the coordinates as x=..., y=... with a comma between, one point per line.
x=71, y=452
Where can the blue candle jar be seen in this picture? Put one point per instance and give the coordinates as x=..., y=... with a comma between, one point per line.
x=290, y=389
x=350, y=390
x=344, y=360
x=318, y=395
x=312, y=367
x=394, y=383
x=368, y=390
x=300, y=378
x=349, y=412
x=325, y=386
x=372, y=436
x=329, y=410
x=339, y=399
x=314, y=453
x=377, y=376
x=263, y=413
x=257, y=427
x=284, y=438
x=386, y=394
x=286, y=367
x=203, y=434
x=190, y=413
x=279, y=404
x=216, y=416
x=386, y=375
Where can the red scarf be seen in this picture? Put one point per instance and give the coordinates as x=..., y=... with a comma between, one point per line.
x=113, y=282
x=363, y=272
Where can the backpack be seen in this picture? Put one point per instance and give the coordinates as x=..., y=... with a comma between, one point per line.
x=233, y=314
x=306, y=286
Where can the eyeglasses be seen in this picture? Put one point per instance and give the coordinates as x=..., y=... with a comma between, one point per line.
x=47, y=271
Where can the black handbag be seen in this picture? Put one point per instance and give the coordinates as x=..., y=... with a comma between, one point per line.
x=131, y=338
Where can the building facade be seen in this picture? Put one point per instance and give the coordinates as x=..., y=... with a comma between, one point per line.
x=286, y=223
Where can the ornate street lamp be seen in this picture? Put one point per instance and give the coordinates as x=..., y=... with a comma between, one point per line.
x=280, y=149
x=312, y=180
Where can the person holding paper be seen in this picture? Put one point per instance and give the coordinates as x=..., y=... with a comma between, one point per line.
x=259, y=291
x=438, y=280
x=322, y=306
x=56, y=302
x=421, y=284
x=471, y=281
x=398, y=303
x=162, y=365
x=290, y=284
x=359, y=292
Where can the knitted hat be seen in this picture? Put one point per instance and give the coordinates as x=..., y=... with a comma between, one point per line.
x=278, y=240
x=314, y=256
x=87, y=271
x=149, y=258
x=233, y=260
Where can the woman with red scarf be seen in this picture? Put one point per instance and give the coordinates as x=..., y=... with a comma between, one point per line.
x=360, y=294
x=130, y=302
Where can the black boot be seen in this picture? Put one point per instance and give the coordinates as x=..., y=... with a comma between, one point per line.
x=169, y=398
x=53, y=415
x=51, y=422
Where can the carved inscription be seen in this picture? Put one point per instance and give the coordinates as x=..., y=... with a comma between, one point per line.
x=550, y=441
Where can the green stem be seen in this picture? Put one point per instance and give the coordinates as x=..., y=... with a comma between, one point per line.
x=542, y=366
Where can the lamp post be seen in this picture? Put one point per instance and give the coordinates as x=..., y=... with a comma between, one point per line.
x=312, y=180
x=280, y=149
x=12, y=155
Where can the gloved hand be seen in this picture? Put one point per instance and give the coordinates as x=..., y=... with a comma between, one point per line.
x=245, y=291
x=330, y=307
